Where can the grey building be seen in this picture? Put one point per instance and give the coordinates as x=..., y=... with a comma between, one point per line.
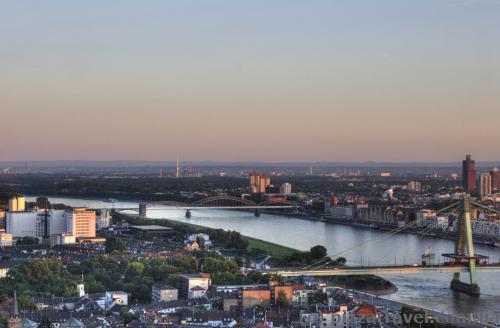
x=163, y=293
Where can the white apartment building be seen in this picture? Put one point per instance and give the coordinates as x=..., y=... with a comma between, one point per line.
x=77, y=222
x=5, y=239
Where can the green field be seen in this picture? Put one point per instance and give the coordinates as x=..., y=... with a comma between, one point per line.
x=274, y=250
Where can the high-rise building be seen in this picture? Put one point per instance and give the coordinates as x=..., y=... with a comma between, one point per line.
x=485, y=184
x=2, y=219
x=80, y=222
x=32, y=223
x=415, y=186
x=469, y=174
x=259, y=182
x=495, y=179
x=17, y=204
x=103, y=218
x=286, y=188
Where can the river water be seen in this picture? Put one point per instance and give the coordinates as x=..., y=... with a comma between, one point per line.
x=424, y=290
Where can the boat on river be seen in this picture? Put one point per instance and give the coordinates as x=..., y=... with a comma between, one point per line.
x=428, y=257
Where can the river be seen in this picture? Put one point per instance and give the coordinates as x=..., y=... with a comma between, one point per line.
x=424, y=290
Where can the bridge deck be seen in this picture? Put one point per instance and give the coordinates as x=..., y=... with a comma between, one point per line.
x=392, y=270
x=173, y=208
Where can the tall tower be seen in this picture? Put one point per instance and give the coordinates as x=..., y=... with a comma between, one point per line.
x=15, y=318
x=464, y=247
x=485, y=184
x=177, y=169
x=469, y=174
x=495, y=179
x=81, y=288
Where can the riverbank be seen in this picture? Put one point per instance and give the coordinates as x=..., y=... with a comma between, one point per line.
x=367, y=283
x=254, y=244
x=371, y=284
x=315, y=217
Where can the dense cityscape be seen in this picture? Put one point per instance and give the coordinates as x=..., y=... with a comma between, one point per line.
x=250, y=164
x=119, y=264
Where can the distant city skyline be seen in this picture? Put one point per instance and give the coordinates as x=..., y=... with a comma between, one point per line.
x=271, y=81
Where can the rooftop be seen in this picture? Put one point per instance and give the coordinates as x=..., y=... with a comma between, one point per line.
x=150, y=227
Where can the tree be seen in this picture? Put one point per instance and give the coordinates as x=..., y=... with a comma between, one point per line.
x=200, y=241
x=42, y=202
x=128, y=316
x=39, y=278
x=341, y=261
x=282, y=300
x=28, y=241
x=235, y=240
x=114, y=244
x=319, y=297
x=26, y=302
x=45, y=322
x=318, y=252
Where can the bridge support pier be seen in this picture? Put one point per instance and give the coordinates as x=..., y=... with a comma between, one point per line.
x=464, y=245
x=465, y=288
x=188, y=214
x=256, y=212
x=142, y=209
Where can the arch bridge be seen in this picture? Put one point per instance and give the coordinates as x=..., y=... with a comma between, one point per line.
x=215, y=202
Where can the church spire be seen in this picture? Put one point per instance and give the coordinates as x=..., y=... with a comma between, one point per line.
x=15, y=310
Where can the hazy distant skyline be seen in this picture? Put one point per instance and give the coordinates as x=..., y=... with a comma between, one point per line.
x=397, y=81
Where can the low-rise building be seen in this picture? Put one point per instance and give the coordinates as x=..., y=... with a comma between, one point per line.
x=286, y=290
x=150, y=230
x=188, y=281
x=334, y=318
x=116, y=297
x=255, y=297
x=62, y=239
x=4, y=268
x=203, y=237
x=163, y=293
x=5, y=239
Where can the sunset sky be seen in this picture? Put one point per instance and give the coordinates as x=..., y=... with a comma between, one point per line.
x=269, y=80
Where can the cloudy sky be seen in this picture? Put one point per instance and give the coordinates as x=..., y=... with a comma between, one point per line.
x=270, y=80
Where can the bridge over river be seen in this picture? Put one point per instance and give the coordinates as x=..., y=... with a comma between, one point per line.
x=381, y=270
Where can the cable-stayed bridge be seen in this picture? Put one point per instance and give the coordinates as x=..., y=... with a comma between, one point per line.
x=462, y=261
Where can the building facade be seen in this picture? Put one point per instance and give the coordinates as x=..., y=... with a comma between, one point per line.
x=5, y=239
x=415, y=186
x=485, y=184
x=259, y=182
x=103, y=218
x=286, y=188
x=17, y=204
x=190, y=284
x=495, y=179
x=77, y=222
x=80, y=222
x=469, y=174
x=162, y=293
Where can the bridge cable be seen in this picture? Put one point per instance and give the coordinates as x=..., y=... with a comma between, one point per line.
x=392, y=232
x=384, y=236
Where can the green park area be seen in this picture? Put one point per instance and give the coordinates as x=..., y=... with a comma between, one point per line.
x=272, y=249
